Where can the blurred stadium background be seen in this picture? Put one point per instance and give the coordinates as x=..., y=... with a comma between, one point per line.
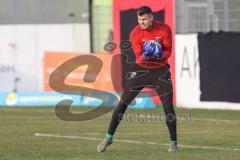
x=37, y=36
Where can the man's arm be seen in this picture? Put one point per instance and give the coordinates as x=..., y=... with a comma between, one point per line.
x=167, y=42
x=136, y=45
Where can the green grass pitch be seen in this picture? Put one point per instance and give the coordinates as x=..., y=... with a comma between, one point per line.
x=35, y=133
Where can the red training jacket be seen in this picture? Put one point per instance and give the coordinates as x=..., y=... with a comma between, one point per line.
x=158, y=30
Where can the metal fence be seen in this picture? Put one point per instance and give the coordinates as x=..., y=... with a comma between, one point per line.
x=207, y=15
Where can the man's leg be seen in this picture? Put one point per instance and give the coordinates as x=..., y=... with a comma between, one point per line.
x=165, y=93
x=170, y=120
x=127, y=97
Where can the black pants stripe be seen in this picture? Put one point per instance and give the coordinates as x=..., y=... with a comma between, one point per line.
x=157, y=79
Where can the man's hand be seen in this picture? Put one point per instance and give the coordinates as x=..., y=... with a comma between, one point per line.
x=152, y=50
x=148, y=49
x=158, y=51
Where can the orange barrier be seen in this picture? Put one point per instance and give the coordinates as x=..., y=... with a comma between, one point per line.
x=54, y=59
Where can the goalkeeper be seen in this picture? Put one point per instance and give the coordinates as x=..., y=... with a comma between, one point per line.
x=151, y=43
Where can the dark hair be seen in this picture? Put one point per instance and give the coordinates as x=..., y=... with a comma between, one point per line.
x=144, y=10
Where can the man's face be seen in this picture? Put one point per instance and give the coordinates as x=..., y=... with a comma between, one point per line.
x=145, y=21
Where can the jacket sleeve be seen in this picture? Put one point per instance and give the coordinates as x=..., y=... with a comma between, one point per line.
x=136, y=44
x=167, y=42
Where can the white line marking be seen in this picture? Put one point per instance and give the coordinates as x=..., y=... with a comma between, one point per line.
x=207, y=147
x=134, y=142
